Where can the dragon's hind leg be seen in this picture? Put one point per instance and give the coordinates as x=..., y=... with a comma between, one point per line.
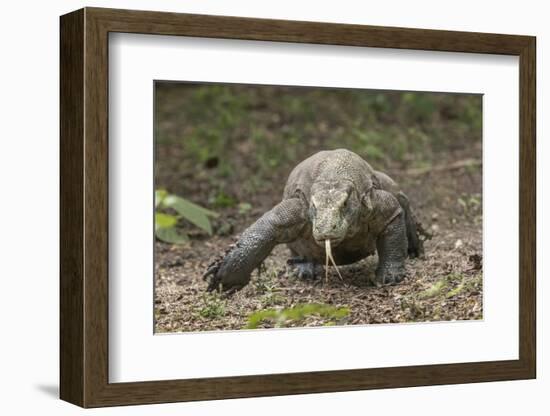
x=415, y=244
x=304, y=268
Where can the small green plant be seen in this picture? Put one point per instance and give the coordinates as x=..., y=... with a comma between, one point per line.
x=284, y=317
x=213, y=306
x=222, y=200
x=451, y=285
x=470, y=204
x=266, y=285
x=166, y=221
x=436, y=289
x=271, y=299
x=244, y=207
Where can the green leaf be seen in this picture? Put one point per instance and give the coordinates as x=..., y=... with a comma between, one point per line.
x=177, y=202
x=296, y=313
x=191, y=212
x=160, y=194
x=244, y=207
x=171, y=235
x=164, y=220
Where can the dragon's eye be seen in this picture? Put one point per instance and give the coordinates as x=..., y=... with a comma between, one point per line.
x=346, y=201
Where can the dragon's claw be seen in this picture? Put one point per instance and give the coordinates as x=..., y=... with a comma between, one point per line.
x=304, y=269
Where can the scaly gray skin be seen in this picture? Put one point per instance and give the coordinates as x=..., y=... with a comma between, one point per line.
x=333, y=195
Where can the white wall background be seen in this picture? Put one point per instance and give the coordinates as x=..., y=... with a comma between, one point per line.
x=29, y=212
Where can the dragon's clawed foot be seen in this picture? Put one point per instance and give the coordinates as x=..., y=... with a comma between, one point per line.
x=225, y=275
x=212, y=277
x=390, y=274
x=305, y=269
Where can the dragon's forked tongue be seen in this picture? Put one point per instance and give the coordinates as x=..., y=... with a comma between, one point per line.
x=328, y=252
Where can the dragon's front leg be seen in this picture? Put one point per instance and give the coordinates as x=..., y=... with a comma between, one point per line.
x=282, y=224
x=392, y=251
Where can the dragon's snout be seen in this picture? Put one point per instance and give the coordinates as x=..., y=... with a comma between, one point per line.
x=321, y=241
x=329, y=227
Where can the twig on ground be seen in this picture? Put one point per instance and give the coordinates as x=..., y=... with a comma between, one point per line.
x=466, y=163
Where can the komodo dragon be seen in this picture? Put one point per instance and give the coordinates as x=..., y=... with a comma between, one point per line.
x=334, y=206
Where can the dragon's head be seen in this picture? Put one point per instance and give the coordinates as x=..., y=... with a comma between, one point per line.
x=335, y=207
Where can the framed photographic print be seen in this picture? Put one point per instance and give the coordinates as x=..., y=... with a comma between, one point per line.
x=255, y=207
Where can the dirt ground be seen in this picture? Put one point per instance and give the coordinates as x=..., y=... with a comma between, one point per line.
x=444, y=285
